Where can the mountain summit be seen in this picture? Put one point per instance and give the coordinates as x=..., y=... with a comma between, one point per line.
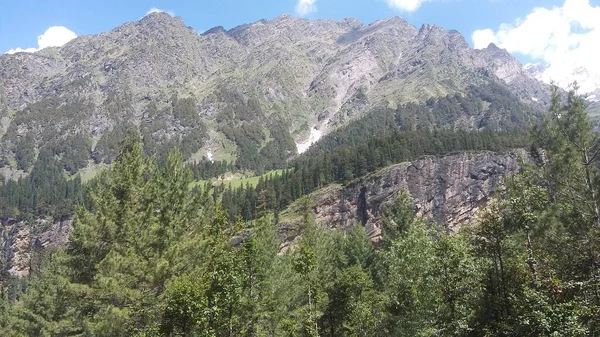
x=269, y=88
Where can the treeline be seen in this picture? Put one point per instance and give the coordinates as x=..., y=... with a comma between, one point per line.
x=150, y=257
x=387, y=136
x=262, y=143
x=343, y=164
x=44, y=192
x=382, y=137
x=47, y=191
x=490, y=107
x=206, y=169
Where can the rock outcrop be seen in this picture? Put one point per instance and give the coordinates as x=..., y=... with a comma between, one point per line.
x=448, y=190
x=18, y=243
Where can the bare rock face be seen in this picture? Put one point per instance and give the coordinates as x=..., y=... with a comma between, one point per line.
x=18, y=243
x=20, y=247
x=515, y=75
x=54, y=237
x=448, y=190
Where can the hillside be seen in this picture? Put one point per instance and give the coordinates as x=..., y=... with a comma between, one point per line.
x=254, y=94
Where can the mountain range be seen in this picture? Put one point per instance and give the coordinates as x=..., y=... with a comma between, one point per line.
x=268, y=89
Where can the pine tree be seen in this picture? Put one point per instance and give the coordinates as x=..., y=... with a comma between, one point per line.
x=258, y=252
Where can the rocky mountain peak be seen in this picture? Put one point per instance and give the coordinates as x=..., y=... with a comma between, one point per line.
x=505, y=66
x=283, y=18
x=395, y=28
x=161, y=18
x=496, y=52
x=394, y=20
x=535, y=70
x=395, y=23
x=434, y=35
x=456, y=37
x=425, y=28
x=351, y=23
x=215, y=30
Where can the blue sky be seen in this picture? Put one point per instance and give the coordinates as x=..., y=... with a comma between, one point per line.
x=554, y=32
x=21, y=21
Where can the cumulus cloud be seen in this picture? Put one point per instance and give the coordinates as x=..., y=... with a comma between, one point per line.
x=304, y=7
x=563, y=38
x=406, y=5
x=55, y=36
x=483, y=37
x=21, y=50
x=158, y=10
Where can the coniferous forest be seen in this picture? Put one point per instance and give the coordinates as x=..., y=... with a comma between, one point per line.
x=382, y=137
x=150, y=256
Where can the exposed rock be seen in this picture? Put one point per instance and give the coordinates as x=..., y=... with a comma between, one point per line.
x=299, y=71
x=19, y=251
x=54, y=237
x=448, y=190
x=18, y=243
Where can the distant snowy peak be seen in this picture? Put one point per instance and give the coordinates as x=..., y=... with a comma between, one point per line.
x=535, y=70
x=594, y=96
x=588, y=82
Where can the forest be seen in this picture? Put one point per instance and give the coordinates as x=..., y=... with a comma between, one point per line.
x=148, y=256
x=380, y=138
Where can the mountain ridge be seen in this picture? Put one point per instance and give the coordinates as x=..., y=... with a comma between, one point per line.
x=303, y=76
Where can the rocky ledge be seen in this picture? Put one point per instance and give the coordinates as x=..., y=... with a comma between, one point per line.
x=448, y=190
x=18, y=243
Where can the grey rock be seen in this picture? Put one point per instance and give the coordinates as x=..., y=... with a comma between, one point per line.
x=448, y=190
x=18, y=242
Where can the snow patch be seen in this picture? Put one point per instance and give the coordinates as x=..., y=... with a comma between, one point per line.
x=593, y=98
x=535, y=99
x=314, y=137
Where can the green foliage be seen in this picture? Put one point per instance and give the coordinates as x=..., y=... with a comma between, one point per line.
x=342, y=164
x=396, y=217
x=412, y=292
x=148, y=256
x=44, y=192
x=185, y=306
x=538, y=246
x=110, y=142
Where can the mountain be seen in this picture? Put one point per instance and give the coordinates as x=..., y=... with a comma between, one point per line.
x=589, y=84
x=256, y=94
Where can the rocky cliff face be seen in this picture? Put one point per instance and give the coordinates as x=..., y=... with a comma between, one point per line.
x=448, y=190
x=19, y=244
x=518, y=78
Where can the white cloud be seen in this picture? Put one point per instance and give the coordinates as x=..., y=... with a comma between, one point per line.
x=564, y=38
x=304, y=7
x=158, y=10
x=55, y=36
x=21, y=50
x=483, y=37
x=406, y=5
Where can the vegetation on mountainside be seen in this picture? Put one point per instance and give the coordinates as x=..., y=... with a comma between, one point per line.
x=44, y=192
x=382, y=137
x=150, y=257
x=263, y=141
